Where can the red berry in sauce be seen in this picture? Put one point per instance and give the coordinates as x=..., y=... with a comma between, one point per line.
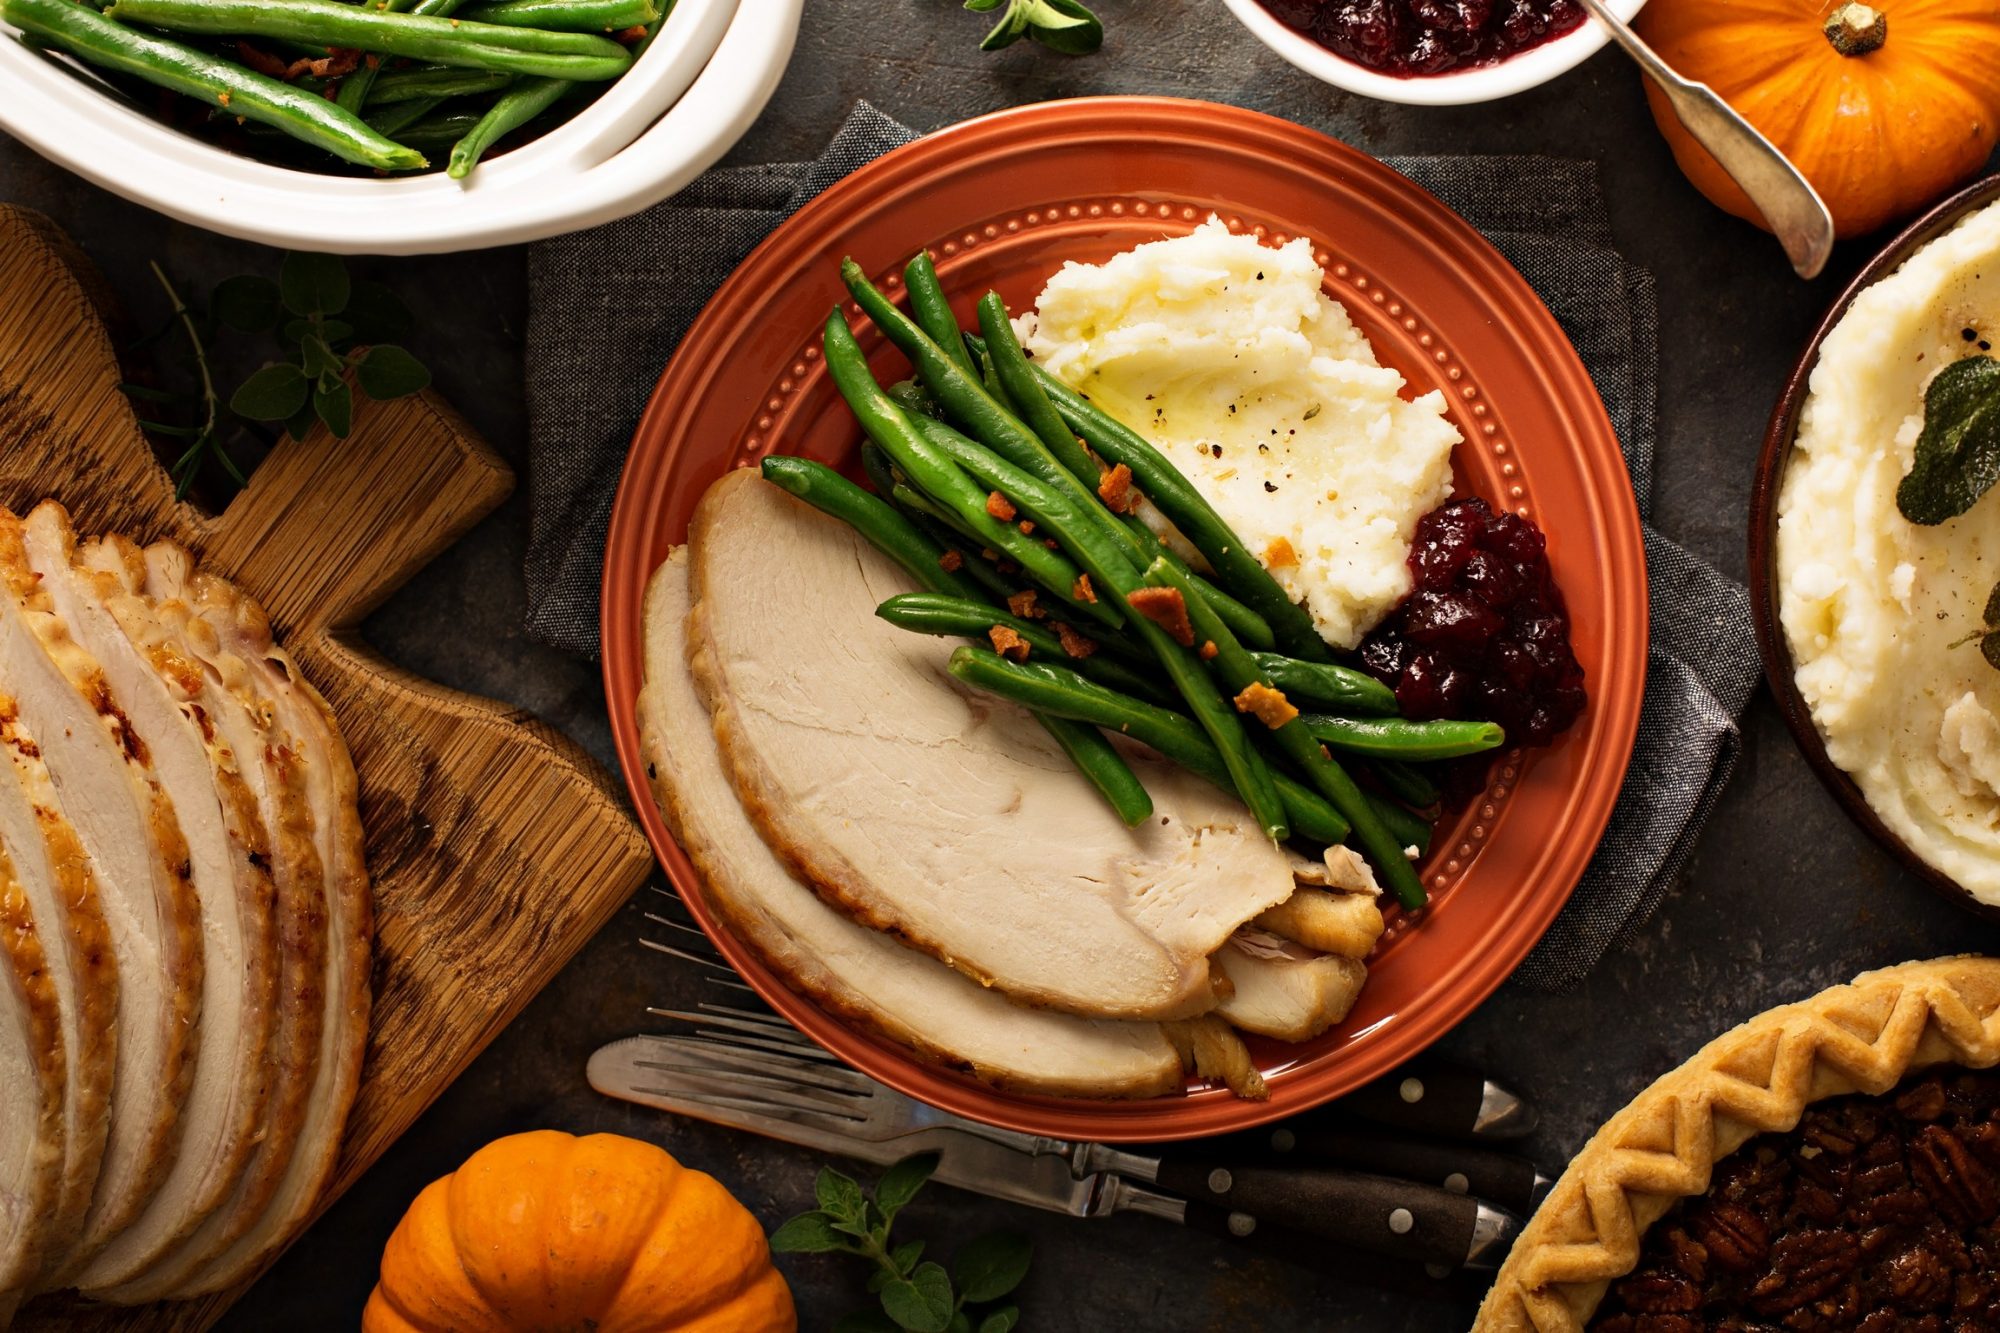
x=1418, y=37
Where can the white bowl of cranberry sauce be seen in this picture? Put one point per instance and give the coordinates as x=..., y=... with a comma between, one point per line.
x=1430, y=52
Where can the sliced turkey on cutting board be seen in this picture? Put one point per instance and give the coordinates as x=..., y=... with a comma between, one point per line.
x=858, y=973
x=945, y=816
x=244, y=721
x=246, y=657
x=49, y=865
x=129, y=832
x=228, y=854
x=31, y=1095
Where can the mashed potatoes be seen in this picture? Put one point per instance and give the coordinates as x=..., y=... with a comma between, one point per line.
x=1225, y=354
x=1876, y=609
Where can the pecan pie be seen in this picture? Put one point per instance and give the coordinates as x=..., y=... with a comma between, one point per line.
x=1833, y=1164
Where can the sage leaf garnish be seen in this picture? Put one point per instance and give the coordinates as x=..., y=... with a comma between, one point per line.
x=916, y=1295
x=1958, y=452
x=1064, y=26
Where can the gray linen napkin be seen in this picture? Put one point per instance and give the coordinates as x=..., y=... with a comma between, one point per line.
x=599, y=331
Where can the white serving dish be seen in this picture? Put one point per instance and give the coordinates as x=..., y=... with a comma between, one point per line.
x=1455, y=88
x=680, y=107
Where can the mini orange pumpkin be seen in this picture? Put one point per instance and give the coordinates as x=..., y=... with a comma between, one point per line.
x=1883, y=108
x=548, y=1233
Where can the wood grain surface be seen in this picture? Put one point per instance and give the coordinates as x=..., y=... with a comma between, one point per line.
x=497, y=846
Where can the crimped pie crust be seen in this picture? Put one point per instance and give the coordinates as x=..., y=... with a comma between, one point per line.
x=1759, y=1078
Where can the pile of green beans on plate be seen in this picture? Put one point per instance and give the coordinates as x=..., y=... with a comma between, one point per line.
x=990, y=492
x=379, y=84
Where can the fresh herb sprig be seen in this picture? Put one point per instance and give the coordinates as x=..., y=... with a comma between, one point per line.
x=1958, y=451
x=917, y=1294
x=1988, y=635
x=1060, y=25
x=330, y=326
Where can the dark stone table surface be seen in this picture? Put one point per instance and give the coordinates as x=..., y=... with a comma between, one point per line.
x=1782, y=897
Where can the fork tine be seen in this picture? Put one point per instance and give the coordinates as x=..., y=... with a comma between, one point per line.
x=711, y=963
x=730, y=1055
x=755, y=1109
x=772, y=1090
x=755, y=1027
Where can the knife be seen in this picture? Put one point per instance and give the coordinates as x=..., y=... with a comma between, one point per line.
x=1244, y=1201
x=1510, y=1180
x=1433, y=1096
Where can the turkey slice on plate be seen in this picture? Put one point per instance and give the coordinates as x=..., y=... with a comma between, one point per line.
x=126, y=824
x=246, y=739
x=264, y=676
x=31, y=1096
x=942, y=815
x=1283, y=989
x=49, y=866
x=858, y=973
x=228, y=854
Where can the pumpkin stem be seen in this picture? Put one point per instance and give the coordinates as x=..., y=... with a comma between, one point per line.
x=1856, y=29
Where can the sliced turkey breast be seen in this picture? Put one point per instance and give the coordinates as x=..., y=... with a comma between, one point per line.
x=129, y=832
x=941, y=815
x=31, y=1096
x=229, y=855
x=247, y=659
x=1286, y=990
x=861, y=974
x=49, y=865
x=243, y=718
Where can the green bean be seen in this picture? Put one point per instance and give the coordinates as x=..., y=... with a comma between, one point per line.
x=1328, y=685
x=1062, y=692
x=1099, y=761
x=564, y=15
x=932, y=310
x=871, y=516
x=441, y=131
x=555, y=55
x=888, y=532
x=1405, y=782
x=440, y=9
x=1253, y=629
x=516, y=107
x=1030, y=402
x=1401, y=738
x=937, y=476
x=931, y=613
x=97, y=40
x=444, y=81
x=1105, y=558
x=405, y=114
x=1405, y=827
x=355, y=88
x=1239, y=672
x=1188, y=510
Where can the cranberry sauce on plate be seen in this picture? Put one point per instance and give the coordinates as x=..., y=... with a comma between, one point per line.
x=1416, y=37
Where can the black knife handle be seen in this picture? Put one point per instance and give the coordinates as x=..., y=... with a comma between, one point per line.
x=1462, y=1168
x=1430, y=1096
x=1349, y=1267
x=1392, y=1218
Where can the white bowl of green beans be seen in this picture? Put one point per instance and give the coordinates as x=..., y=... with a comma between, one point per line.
x=390, y=126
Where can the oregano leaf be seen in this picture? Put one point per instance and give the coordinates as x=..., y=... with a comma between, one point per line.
x=1011, y=27
x=1991, y=615
x=1001, y=1320
x=900, y=1183
x=1958, y=451
x=335, y=407
x=922, y=1302
x=316, y=358
x=808, y=1233
x=840, y=1197
x=300, y=423
x=386, y=371
x=312, y=284
x=272, y=394
x=905, y=1256
x=1066, y=27
x=992, y=1266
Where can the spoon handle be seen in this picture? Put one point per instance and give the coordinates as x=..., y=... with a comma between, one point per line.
x=1797, y=215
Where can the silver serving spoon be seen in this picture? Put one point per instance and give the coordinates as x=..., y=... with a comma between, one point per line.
x=1786, y=199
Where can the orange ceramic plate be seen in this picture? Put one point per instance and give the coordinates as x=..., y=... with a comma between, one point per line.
x=1002, y=201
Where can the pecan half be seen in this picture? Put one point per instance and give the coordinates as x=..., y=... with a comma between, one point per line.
x=1958, y=1183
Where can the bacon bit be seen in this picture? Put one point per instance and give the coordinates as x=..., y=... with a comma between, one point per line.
x=1115, y=489
x=1279, y=554
x=223, y=97
x=1000, y=507
x=1208, y=650
x=1008, y=644
x=261, y=60
x=988, y=553
x=952, y=561
x=1165, y=608
x=1267, y=705
x=1027, y=526
x=331, y=92
x=1052, y=543
x=1083, y=592
x=631, y=35
x=1023, y=605
x=1073, y=643
x=372, y=60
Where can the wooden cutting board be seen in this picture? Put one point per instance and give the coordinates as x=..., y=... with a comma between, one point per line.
x=496, y=845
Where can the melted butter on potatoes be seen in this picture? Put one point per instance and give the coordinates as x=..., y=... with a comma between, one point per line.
x=1876, y=609
x=1226, y=354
